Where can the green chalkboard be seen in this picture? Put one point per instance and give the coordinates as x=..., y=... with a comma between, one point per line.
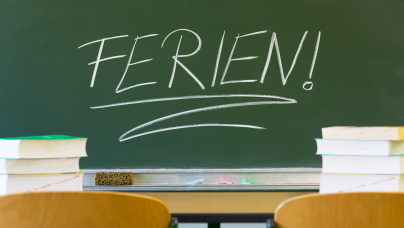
x=199, y=84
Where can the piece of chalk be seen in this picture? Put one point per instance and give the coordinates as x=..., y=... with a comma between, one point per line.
x=248, y=181
x=199, y=181
x=224, y=181
x=114, y=178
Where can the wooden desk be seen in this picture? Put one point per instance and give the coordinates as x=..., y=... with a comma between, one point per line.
x=214, y=203
x=223, y=202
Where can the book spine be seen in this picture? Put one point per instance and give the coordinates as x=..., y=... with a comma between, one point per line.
x=400, y=133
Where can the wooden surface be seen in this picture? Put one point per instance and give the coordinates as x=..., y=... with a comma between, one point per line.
x=348, y=210
x=82, y=209
x=223, y=202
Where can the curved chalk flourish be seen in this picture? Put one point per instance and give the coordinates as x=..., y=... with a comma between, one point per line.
x=121, y=139
x=125, y=136
x=195, y=97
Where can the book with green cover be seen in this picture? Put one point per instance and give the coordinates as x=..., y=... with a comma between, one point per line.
x=46, y=146
x=44, y=137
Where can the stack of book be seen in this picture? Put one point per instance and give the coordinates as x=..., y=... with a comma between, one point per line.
x=41, y=163
x=361, y=159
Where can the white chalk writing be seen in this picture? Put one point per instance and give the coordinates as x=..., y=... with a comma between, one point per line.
x=264, y=99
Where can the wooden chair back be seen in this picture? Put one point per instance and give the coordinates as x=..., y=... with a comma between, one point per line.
x=347, y=210
x=82, y=209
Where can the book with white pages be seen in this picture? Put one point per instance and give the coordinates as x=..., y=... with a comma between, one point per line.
x=360, y=147
x=39, y=166
x=41, y=182
x=352, y=164
x=339, y=183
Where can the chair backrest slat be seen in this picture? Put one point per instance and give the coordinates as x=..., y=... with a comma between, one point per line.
x=82, y=209
x=347, y=210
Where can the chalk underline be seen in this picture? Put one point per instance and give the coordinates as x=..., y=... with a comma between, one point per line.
x=129, y=134
x=282, y=99
x=189, y=126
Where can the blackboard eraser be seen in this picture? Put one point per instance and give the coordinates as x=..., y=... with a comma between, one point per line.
x=114, y=178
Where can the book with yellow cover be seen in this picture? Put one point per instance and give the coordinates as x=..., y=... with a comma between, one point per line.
x=365, y=133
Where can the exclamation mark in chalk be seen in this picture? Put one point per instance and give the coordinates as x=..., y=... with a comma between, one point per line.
x=308, y=85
